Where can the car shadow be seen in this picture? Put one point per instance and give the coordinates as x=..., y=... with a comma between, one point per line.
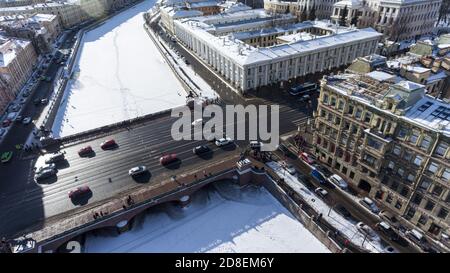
x=207, y=156
x=62, y=164
x=48, y=181
x=82, y=200
x=112, y=148
x=173, y=165
x=89, y=155
x=229, y=147
x=142, y=178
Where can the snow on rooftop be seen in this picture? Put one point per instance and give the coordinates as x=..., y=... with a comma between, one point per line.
x=381, y=76
x=225, y=219
x=432, y=113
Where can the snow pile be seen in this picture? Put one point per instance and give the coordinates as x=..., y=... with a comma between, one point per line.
x=224, y=219
x=119, y=74
x=346, y=227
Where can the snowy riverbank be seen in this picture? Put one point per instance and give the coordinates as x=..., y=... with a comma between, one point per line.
x=223, y=218
x=119, y=74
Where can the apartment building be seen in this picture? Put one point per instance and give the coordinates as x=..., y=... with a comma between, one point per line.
x=398, y=20
x=41, y=29
x=303, y=9
x=391, y=141
x=17, y=58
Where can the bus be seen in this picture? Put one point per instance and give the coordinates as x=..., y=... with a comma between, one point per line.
x=303, y=88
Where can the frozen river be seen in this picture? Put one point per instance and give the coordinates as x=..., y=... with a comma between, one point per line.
x=221, y=218
x=119, y=74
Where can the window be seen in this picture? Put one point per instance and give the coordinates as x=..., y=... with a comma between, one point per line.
x=426, y=141
x=417, y=199
x=350, y=109
x=443, y=213
x=425, y=184
x=400, y=172
x=446, y=174
x=410, y=213
x=430, y=205
x=404, y=192
x=418, y=160
x=391, y=165
x=374, y=144
x=423, y=219
x=414, y=137
x=333, y=101
x=358, y=113
x=367, y=117
x=341, y=105
x=407, y=156
x=402, y=133
x=398, y=205
x=410, y=177
x=441, y=149
x=433, y=167
x=437, y=190
x=397, y=150
x=389, y=198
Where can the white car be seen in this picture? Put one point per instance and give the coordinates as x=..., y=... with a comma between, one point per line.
x=255, y=144
x=290, y=169
x=137, y=170
x=45, y=167
x=223, y=141
x=370, y=205
x=338, y=181
x=366, y=230
x=26, y=120
x=197, y=122
x=321, y=192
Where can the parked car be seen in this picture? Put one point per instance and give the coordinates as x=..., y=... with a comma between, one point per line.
x=201, y=149
x=323, y=170
x=366, y=230
x=305, y=98
x=44, y=174
x=6, y=156
x=26, y=121
x=55, y=157
x=290, y=169
x=6, y=123
x=316, y=175
x=390, y=218
x=223, y=141
x=167, y=159
x=44, y=167
x=321, y=192
x=108, y=144
x=338, y=181
x=137, y=170
x=44, y=101
x=369, y=204
x=19, y=118
x=78, y=192
x=416, y=236
x=386, y=229
x=255, y=144
x=307, y=158
x=37, y=101
x=85, y=151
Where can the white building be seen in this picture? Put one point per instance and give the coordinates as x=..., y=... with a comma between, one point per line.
x=219, y=41
x=305, y=9
x=396, y=19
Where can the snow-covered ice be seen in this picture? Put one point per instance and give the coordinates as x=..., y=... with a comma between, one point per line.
x=221, y=218
x=119, y=74
x=346, y=227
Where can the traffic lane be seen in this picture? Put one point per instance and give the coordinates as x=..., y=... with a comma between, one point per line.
x=55, y=201
x=338, y=197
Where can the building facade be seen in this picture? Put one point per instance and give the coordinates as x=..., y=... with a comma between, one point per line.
x=303, y=9
x=218, y=41
x=17, y=58
x=398, y=20
x=390, y=140
x=41, y=29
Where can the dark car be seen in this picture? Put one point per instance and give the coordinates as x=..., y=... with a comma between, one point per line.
x=108, y=144
x=167, y=159
x=45, y=174
x=85, y=151
x=201, y=149
x=78, y=192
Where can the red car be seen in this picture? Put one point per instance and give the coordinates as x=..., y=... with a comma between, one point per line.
x=6, y=123
x=166, y=159
x=307, y=158
x=85, y=151
x=79, y=191
x=108, y=144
